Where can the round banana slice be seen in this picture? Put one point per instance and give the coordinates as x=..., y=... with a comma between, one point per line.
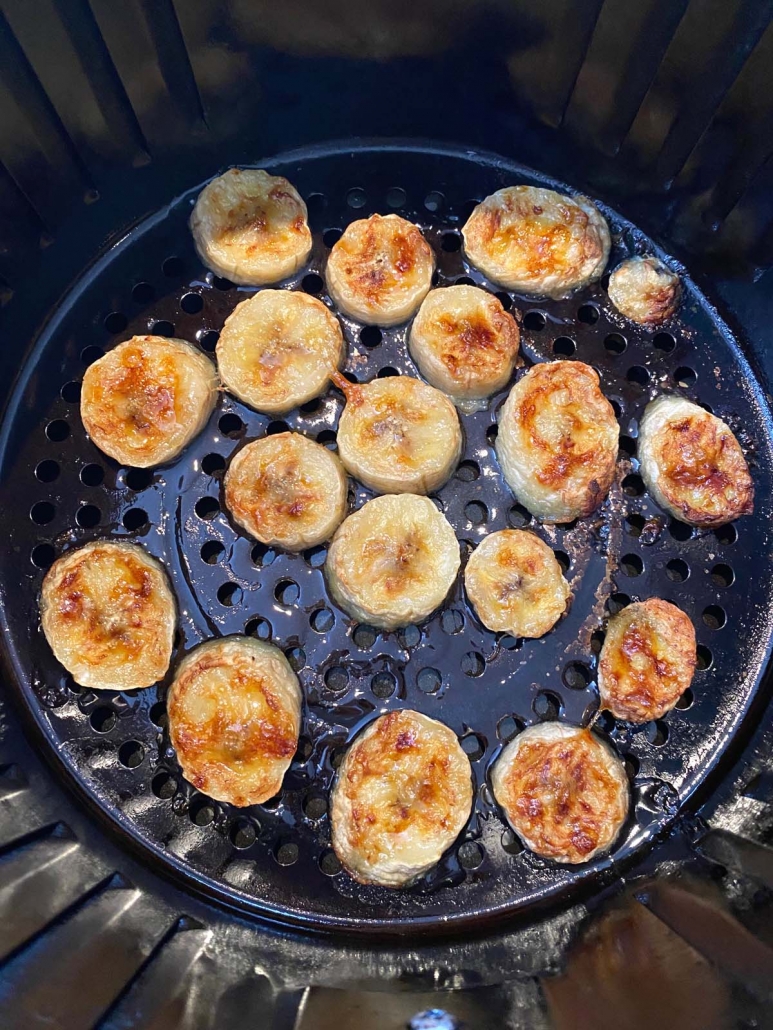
x=536, y=241
x=515, y=584
x=647, y=661
x=645, y=290
x=145, y=400
x=692, y=463
x=380, y=270
x=398, y=435
x=557, y=441
x=392, y=562
x=464, y=343
x=109, y=615
x=234, y=717
x=402, y=796
x=251, y=227
x=278, y=349
x=286, y=491
x=563, y=790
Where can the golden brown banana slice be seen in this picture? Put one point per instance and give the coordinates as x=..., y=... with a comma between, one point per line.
x=464, y=343
x=645, y=290
x=515, y=584
x=557, y=441
x=286, y=490
x=380, y=270
x=398, y=435
x=251, y=227
x=536, y=241
x=563, y=790
x=402, y=796
x=278, y=349
x=647, y=660
x=392, y=562
x=109, y=615
x=692, y=463
x=145, y=400
x=234, y=718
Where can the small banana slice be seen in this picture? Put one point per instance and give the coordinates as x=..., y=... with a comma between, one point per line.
x=464, y=343
x=145, y=400
x=251, y=227
x=287, y=491
x=234, y=717
x=647, y=660
x=109, y=615
x=557, y=441
x=692, y=463
x=645, y=290
x=380, y=270
x=398, y=435
x=392, y=562
x=402, y=796
x=515, y=584
x=536, y=241
x=563, y=790
x=278, y=349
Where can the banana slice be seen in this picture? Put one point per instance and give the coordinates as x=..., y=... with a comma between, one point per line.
x=563, y=790
x=398, y=435
x=515, y=584
x=392, y=562
x=278, y=349
x=251, y=227
x=234, y=718
x=692, y=464
x=645, y=290
x=536, y=241
x=647, y=661
x=402, y=796
x=380, y=270
x=109, y=615
x=286, y=490
x=557, y=441
x=145, y=400
x=464, y=343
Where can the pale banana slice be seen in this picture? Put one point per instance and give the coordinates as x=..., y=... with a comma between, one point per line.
x=515, y=584
x=286, y=490
x=464, y=343
x=645, y=290
x=234, y=717
x=398, y=435
x=380, y=270
x=537, y=241
x=564, y=791
x=251, y=227
x=557, y=441
x=109, y=615
x=278, y=349
x=692, y=463
x=402, y=796
x=145, y=400
x=392, y=562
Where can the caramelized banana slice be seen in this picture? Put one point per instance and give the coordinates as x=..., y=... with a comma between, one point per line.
x=402, y=796
x=392, y=562
x=286, y=490
x=251, y=227
x=563, y=790
x=109, y=615
x=380, y=270
x=557, y=441
x=645, y=290
x=692, y=464
x=278, y=350
x=234, y=718
x=145, y=400
x=536, y=241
